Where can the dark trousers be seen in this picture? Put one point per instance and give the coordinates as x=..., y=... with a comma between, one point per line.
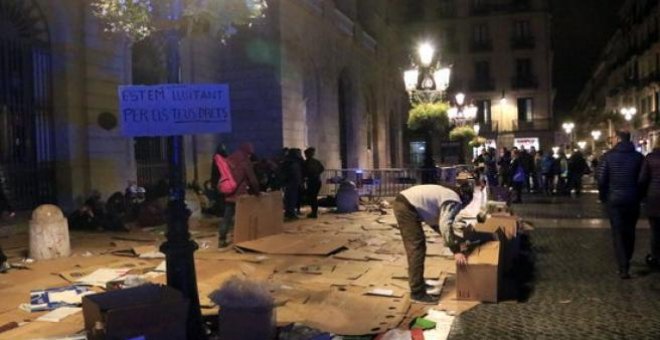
x=3, y=257
x=623, y=220
x=313, y=188
x=414, y=243
x=548, y=183
x=654, y=222
x=517, y=188
x=576, y=183
x=227, y=223
x=291, y=193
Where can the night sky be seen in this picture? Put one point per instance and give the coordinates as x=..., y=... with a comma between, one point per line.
x=581, y=28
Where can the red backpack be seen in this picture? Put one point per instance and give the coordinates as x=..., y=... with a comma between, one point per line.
x=226, y=184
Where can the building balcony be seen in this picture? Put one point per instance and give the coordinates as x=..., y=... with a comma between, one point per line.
x=482, y=85
x=481, y=46
x=487, y=128
x=538, y=124
x=522, y=43
x=501, y=6
x=524, y=82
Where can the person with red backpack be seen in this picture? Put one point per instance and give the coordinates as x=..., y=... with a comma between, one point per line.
x=236, y=177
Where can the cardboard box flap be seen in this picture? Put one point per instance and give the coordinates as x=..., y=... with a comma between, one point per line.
x=295, y=244
x=508, y=224
x=488, y=254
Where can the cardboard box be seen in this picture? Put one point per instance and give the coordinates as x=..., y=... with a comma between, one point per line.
x=509, y=225
x=480, y=279
x=150, y=311
x=258, y=216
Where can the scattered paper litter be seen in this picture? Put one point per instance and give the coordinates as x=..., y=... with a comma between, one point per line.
x=162, y=267
x=102, y=276
x=381, y=292
x=152, y=255
x=443, y=323
x=59, y=314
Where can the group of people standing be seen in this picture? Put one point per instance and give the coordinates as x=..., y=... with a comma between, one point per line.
x=533, y=171
x=625, y=179
x=299, y=178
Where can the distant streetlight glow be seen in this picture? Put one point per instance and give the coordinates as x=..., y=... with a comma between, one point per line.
x=568, y=127
x=460, y=98
x=628, y=112
x=582, y=144
x=595, y=134
x=476, y=128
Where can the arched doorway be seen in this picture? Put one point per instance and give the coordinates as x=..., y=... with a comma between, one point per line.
x=148, y=68
x=26, y=110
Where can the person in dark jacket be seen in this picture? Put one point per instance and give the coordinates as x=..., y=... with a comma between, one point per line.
x=313, y=170
x=577, y=167
x=618, y=189
x=292, y=175
x=505, y=167
x=491, y=167
x=649, y=180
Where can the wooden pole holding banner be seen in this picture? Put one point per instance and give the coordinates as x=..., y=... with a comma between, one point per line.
x=179, y=249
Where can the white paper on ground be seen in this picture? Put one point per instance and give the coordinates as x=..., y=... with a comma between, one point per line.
x=162, y=267
x=152, y=255
x=59, y=314
x=101, y=277
x=443, y=322
x=381, y=292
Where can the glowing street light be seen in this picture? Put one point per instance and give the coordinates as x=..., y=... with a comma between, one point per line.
x=426, y=52
x=582, y=144
x=476, y=128
x=628, y=112
x=596, y=134
x=568, y=127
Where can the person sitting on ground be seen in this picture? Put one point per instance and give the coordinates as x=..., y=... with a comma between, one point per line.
x=348, y=198
x=438, y=207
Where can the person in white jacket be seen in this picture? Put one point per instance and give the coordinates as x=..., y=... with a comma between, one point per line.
x=438, y=206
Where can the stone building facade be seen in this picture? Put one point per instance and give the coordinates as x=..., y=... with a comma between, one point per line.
x=501, y=57
x=627, y=75
x=312, y=73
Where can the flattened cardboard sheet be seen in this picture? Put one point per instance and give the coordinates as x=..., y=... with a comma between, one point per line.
x=288, y=244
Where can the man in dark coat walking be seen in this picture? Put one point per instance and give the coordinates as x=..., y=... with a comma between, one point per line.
x=312, y=170
x=649, y=180
x=619, y=190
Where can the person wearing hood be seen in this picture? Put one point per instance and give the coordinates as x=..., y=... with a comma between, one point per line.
x=247, y=183
x=437, y=206
x=618, y=188
x=649, y=180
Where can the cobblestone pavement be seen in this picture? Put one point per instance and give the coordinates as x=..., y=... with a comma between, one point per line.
x=576, y=293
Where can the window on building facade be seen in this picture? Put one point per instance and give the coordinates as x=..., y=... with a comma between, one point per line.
x=483, y=111
x=482, y=70
x=523, y=68
x=446, y=8
x=525, y=109
x=448, y=40
x=521, y=29
x=480, y=34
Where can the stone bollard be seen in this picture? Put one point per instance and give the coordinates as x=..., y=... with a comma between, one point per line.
x=49, y=233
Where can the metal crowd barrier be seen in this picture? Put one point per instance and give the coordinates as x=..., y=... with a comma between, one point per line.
x=379, y=183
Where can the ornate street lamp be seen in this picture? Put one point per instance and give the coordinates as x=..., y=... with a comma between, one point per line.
x=426, y=81
x=461, y=114
x=582, y=144
x=568, y=128
x=628, y=112
x=595, y=134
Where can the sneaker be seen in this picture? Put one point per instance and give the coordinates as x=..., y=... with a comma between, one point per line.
x=425, y=299
x=223, y=244
x=434, y=290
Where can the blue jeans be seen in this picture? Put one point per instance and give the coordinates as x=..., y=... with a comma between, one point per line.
x=227, y=223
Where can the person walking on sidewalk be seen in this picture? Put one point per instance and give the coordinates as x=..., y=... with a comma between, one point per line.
x=618, y=189
x=313, y=169
x=246, y=181
x=577, y=167
x=438, y=207
x=292, y=175
x=518, y=175
x=649, y=180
